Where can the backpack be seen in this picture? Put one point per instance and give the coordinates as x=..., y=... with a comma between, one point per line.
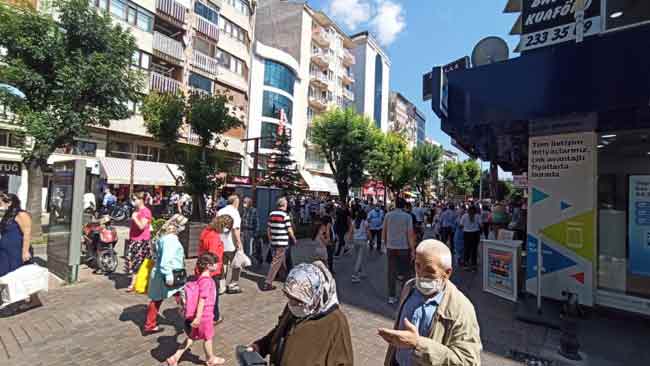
x=189, y=300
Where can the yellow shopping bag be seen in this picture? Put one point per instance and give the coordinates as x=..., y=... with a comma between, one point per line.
x=142, y=277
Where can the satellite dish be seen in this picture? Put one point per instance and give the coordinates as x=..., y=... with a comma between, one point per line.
x=489, y=50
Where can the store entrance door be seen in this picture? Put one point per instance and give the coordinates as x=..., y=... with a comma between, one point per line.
x=624, y=220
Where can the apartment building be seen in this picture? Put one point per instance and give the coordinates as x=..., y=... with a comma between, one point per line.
x=372, y=85
x=182, y=46
x=324, y=77
x=406, y=119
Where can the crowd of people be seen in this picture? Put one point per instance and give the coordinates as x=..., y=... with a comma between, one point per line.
x=436, y=323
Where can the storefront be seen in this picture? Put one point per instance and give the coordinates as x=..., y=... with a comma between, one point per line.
x=576, y=118
x=117, y=174
x=320, y=184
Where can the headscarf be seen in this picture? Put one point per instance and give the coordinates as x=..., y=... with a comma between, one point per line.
x=314, y=285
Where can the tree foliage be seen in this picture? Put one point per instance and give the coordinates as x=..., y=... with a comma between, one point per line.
x=392, y=162
x=460, y=177
x=427, y=159
x=282, y=172
x=75, y=72
x=208, y=116
x=163, y=115
x=345, y=138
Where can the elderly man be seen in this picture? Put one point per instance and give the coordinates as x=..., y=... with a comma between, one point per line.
x=436, y=323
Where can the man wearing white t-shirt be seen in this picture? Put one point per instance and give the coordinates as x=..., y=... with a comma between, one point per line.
x=231, y=244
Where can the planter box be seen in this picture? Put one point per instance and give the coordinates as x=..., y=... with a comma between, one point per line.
x=190, y=238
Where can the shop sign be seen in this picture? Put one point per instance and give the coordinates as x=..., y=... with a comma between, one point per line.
x=10, y=168
x=460, y=64
x=639, y=224
x=238, y=179
x=549, y=22
x=373, y=188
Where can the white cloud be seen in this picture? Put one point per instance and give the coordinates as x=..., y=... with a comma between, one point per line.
x=388, y=22
x=352, y=13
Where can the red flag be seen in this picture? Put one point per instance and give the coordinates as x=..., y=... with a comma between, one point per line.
x=283, y=122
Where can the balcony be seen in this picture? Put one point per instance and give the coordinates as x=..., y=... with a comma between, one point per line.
x=206, y=27
x=348, y=94
x=319, y=80
x=163, y=84
x=171, y=11
x=348, y=58
x=318, y=102
x=168, y=48
x=347, y=78
x=319, y=35
x=320, y=58
x=205, y=63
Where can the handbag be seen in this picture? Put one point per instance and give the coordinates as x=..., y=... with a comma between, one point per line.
x=179, y=278
x=142, y=276
x=241, y=260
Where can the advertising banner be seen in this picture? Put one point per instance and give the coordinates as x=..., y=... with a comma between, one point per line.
x=561, y=214
x=639, y=224
x=500, y=274
x=546, y=22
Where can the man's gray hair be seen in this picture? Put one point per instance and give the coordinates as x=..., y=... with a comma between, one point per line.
x=232, y=199
x=435, y=248
x=282, y=201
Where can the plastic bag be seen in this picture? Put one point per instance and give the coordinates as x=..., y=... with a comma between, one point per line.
x=241, y=260
x=23, y=282
x=142, y=277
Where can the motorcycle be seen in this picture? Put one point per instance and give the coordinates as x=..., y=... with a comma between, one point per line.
x=98, y=249
x=120, y=213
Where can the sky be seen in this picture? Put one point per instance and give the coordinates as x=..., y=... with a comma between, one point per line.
x=420, y=34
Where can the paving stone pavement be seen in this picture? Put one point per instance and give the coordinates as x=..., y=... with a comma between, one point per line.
x=97, y=323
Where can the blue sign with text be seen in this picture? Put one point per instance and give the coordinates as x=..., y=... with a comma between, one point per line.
x=639, y=224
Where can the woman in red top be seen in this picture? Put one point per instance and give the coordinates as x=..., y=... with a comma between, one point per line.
x=210, y=242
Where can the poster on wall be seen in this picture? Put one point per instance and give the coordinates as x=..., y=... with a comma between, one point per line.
x=639, y=224
x=561, y=214
x=500, y=275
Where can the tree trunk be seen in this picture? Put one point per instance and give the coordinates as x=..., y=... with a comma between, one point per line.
x=34, y=196
x=344, y=191
x=198, y=208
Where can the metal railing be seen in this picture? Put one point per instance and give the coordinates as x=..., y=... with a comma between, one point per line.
x=348, y=57
x=206, y=27
x=348, y=94
x=172, y=9
x=168, y=46
x=205, y=62
x=320, y=35
x=163, y=83
x=319, y=76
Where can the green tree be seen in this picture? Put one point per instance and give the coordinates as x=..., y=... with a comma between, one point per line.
x=472, y=172
x=392, y=162
x=282, y=172
x=207, y=116
x=427, y=159
x=75, y=72
x=460, y=177
x=345, y=138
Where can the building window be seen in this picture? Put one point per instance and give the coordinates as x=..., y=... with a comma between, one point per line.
x=134, y=107
x=269, y=135
x=127, y=11
x=148, y=153
x=234, y=31
x=272, y=104
x=83, y=148
x=279, y=76
x=204, y=47
x=232, y=63
x=379, y=80
x=241, y=6
x=119, y=149
x=314, y=159
x=310, y=114
x=10, y=138
x=200, y=82
x=208, y=12
x=141, y=59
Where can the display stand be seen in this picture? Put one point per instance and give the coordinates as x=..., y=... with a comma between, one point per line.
x=501, y=260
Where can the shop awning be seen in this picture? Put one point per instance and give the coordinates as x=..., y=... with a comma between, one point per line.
x=176, y=171
x=145, y=173
x=319, y=183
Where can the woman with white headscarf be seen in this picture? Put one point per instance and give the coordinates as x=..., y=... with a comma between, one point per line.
x=312, y=330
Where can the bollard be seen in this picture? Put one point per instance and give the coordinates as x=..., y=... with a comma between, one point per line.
x=569, y=344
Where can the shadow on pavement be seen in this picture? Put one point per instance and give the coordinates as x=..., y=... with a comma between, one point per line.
x=120, y=280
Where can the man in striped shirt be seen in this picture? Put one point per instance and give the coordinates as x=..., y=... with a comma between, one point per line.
x=279, y=231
